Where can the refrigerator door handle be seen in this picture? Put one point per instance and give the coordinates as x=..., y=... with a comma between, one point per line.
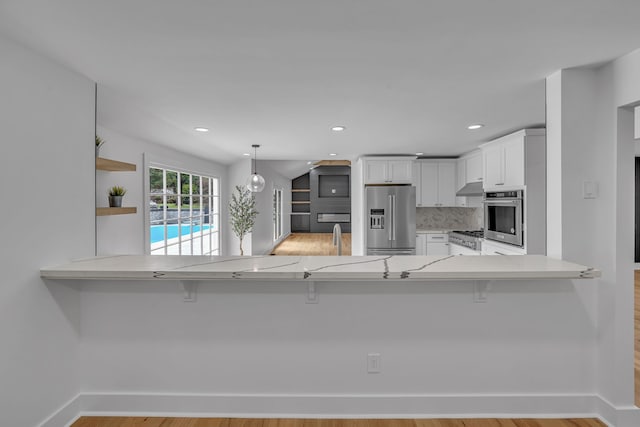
x=391, y=218
x=395, y=206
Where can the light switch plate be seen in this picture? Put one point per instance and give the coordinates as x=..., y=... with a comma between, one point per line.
x=589, y=189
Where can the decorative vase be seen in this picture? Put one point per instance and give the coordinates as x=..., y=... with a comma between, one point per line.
x=115, y=201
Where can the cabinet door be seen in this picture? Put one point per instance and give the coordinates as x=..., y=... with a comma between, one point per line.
x=437, y=248
x=461, y=180
x=429, y=184
x=514, y=162
x=493, y=166
x=375, y=172
x=447, y=184
x=421, y=244
x=461, y=173
x=417, y=183
x=473, y=168
x=400, y=171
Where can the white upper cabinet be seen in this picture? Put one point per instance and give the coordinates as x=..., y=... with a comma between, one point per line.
x=461, y=173
x=388, y=171
x=493, y=170
x=375, y=171
x=417, y=174
x=504, y=159
x=447, y=183
x=514, y=162
x=429, y=184
x=437, y=183
x=473, y=167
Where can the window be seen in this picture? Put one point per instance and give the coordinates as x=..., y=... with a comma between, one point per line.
x=184, y=213
x=277, y=214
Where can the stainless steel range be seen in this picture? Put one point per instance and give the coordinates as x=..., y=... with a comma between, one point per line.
x=468, y=239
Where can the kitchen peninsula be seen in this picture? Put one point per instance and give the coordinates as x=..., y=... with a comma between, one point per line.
x=326, y=268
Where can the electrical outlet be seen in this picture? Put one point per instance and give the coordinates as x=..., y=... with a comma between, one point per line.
x=373, y=363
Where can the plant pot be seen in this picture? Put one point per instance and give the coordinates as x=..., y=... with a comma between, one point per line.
x=115, y=201
x=97, y=151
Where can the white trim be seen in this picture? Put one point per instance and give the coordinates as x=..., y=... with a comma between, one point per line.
x=344, y=406
x=66, y=415
x=617, y=416
x=148, y=163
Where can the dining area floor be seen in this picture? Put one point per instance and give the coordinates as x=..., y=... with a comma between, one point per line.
x=306, y=244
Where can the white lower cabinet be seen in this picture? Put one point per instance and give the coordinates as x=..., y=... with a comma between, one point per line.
x=461, y=250
x=495, y=248
x=421, y=244
x=438, y=244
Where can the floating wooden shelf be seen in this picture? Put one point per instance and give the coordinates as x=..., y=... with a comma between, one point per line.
x=103, y=164
x=333, y=163
x=115, y=211
x=300, y=190
x=301, y=202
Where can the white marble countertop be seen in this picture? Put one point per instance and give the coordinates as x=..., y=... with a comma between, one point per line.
x=321, y=268
x=418, y=231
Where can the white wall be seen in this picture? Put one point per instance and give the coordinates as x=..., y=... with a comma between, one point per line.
x=125, y=234
x=48, y=217
x=260, y=339
x=262, y=236
x=571, y=161
x=600, y=139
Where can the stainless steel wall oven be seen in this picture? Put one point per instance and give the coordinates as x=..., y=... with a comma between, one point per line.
x=503, y=217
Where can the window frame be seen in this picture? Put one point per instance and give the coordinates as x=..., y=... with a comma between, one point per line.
x=278, y=213
x=178, y=167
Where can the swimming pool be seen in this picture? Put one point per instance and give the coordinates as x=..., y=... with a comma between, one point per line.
x=157, y=231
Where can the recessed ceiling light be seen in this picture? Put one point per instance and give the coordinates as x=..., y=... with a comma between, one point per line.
x=419, y=154
x=338, y=128
x=199, y=129
x=476, y=126
x=246, y=154
x=332, y=154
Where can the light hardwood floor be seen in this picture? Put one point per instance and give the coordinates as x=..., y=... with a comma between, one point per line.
x=287, y=422
x=312, y=244
x=637, y=334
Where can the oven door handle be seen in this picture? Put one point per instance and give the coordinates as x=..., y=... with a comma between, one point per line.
x=502, y=202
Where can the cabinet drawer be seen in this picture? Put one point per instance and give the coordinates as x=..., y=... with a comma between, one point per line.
x=437, y=238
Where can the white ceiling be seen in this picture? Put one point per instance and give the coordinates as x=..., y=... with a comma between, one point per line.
x=403, y=76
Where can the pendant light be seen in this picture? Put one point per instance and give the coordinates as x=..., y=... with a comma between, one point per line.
x=255, y=183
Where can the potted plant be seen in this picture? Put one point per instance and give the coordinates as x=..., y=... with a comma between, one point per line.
x=242, y=211
x=115, y=196
x=99, y=143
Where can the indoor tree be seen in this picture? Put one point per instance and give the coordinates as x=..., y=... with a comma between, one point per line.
x=242, y=210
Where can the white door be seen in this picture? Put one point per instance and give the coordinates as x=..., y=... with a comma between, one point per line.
x=375, y=172
x=447, y=184
x=461, y=180
x=514, y=162
x=400, y=171
x=429, y=183
x=474, y=168
x=437, y=248
x=421, y=244
x=417, y=183
x=493, y=166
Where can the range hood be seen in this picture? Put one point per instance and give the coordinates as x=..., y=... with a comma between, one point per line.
x=472, y=189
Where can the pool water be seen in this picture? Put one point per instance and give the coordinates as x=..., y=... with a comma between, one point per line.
x=157, y=231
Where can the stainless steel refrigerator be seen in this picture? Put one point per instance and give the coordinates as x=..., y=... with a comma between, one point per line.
x=391, y=220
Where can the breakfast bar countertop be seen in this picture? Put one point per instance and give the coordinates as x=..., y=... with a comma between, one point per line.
x=321, y=268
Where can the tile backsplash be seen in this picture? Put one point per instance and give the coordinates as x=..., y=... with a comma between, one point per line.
x=449, y=218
